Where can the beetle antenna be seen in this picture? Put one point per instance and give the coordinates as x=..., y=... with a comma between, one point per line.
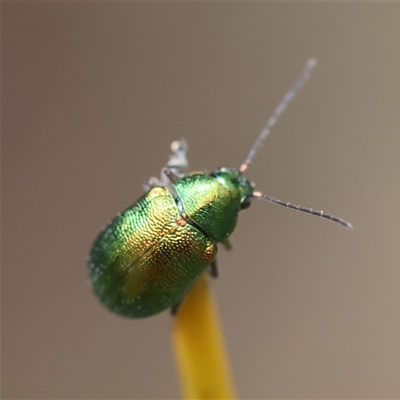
x=304, y=75
x=259, y=195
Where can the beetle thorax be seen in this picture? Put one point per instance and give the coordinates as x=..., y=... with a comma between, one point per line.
x=212, y=201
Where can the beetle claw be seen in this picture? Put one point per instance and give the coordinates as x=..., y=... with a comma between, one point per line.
x=175, y=308
x=214, y=269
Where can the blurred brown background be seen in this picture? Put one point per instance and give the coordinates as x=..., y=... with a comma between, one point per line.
x=92, y=96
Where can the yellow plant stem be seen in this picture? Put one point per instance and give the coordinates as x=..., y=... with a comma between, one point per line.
x=199, y=347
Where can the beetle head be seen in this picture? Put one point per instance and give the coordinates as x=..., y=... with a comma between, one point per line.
x=238, y=186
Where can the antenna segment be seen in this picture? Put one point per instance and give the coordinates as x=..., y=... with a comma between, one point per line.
x=304, y=75
x=321, y=214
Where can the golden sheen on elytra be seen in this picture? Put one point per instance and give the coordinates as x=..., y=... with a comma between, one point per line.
x=147, y=257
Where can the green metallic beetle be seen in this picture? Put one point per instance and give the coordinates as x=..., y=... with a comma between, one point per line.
x=148, y=257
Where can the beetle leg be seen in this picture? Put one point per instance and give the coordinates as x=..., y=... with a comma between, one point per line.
x=175, y=308
x=178, y=161
x=151, y=183
x=176, y=166
x=171, y=175
x=227, y=244
x=214, y=269
x=170, y=178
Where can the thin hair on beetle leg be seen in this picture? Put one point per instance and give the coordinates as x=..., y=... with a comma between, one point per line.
x=289, y=96
x=346, y=224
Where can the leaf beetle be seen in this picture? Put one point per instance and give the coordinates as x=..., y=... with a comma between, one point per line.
x=148, y=257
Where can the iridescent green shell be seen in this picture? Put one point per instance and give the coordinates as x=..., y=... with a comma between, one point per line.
x=148, y=257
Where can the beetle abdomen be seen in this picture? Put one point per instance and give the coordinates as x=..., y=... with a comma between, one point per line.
x=146, y=259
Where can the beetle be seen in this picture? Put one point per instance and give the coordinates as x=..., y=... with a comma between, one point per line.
x=148, y=257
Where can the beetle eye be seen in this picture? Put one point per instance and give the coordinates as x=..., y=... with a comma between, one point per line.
x=245, y=203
